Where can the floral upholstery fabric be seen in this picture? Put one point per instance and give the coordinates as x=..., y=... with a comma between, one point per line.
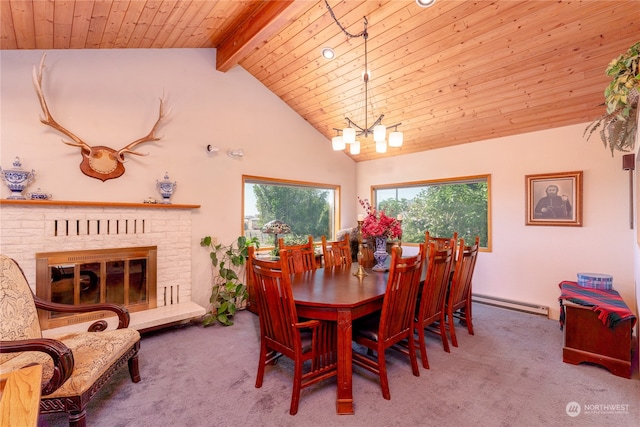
x=18, y=315
x=93, y=352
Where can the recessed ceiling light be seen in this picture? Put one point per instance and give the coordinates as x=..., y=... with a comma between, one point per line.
x=425, y=3
x=328, y=53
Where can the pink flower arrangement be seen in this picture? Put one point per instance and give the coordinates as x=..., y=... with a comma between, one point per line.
x=377, y=224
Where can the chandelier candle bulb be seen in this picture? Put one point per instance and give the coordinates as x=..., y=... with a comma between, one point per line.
x=338, y=143
x=349, y=135
x=354, y=148
x=395, y=139
x=381, y=146
x=379, y=133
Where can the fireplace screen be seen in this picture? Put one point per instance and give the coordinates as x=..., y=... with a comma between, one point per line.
x=125, y=276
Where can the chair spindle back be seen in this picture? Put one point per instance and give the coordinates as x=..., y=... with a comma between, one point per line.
x=337, y=252
x=301, y=257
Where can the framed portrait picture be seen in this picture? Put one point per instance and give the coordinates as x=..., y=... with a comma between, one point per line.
x=554, y=199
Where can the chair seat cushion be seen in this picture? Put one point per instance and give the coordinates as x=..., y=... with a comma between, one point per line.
x=93, y=354
x=306, y=339
x=367, y=327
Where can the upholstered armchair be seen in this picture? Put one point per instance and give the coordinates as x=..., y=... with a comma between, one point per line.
x=75, y=365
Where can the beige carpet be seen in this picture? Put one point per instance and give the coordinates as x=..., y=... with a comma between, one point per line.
x=510, y=373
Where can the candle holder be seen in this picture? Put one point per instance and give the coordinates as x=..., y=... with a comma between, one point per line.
x=360, y=272
x=399, y=244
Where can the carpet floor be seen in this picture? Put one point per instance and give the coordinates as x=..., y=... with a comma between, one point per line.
x=510, y=373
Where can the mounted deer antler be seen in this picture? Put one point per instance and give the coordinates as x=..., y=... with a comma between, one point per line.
x=98, y=162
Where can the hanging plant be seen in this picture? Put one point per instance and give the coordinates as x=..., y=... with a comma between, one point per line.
x=619, y=125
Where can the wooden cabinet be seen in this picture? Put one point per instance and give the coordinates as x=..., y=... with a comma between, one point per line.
x=587, y=339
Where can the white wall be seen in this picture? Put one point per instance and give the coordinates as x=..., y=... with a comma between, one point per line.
x=527, y=262
x=110, y=97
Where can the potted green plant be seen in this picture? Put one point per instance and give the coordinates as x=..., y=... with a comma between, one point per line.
x=618, y=126
x=228, y=292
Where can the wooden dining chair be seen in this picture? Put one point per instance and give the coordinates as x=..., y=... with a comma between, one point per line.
x=459, y=301
x=430, y=314
x=337, y=252
x=394, y=323
x=444, y=243
x=312, y=344
x=301, y=257
x=441, y=242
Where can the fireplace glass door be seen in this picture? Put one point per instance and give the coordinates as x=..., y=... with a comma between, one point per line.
x=121, y=276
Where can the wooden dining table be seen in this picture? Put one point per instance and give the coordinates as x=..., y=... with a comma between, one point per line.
x=336, y=294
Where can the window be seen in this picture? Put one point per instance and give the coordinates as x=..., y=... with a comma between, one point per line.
x=439, y=206
x=308, y=208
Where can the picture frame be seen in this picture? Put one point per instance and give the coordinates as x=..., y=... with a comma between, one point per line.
x=554, y=199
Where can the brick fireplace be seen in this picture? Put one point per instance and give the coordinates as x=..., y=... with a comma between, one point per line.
x=28, y=227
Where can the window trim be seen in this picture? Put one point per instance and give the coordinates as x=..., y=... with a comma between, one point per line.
x=453, y=180
x=294, y=183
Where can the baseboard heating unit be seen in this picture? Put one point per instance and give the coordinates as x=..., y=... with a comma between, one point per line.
x=511, y=305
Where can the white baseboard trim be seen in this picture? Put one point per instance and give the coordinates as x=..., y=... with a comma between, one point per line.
x=511, y=305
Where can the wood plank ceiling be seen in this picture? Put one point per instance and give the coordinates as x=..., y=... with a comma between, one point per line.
x=454, y=73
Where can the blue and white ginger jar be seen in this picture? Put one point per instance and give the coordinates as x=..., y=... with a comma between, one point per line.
x=166, y=188
x=17, y=179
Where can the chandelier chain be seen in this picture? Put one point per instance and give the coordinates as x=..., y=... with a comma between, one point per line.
x=362, y=33
x=365, y=35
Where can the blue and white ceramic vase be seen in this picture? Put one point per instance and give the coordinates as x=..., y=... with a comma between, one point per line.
x=166, y=188
x=380, y=254
x=17, y=179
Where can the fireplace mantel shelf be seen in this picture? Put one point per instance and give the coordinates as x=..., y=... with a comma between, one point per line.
x=98, y=204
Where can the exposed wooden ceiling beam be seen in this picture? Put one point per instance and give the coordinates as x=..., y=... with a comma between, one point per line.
x=267, y=21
